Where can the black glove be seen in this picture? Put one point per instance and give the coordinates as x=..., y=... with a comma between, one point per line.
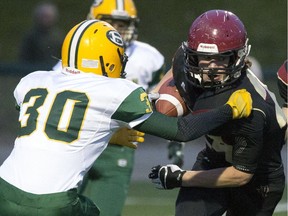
x=166, y=177
x=175, y=153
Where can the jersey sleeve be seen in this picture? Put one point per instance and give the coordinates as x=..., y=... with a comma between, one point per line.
x=135, y=109
x=248, y=143
x=186, y=128
x=24, y=85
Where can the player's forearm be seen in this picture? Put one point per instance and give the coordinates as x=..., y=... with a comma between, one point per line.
x=185, y=128
x=191, y=127
x=216, y=178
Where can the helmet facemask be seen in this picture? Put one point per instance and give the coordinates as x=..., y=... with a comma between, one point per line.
x=194, y=73
x=124, y=59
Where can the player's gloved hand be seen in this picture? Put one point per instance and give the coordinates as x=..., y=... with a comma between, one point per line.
x=241, y=103
x=166, y=177
x=175, y=152
x=127, y=137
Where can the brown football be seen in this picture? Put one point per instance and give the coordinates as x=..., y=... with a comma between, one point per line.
x=170, y=102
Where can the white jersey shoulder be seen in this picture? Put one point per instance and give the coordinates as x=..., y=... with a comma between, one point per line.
x=143, y=61
x=66, y=123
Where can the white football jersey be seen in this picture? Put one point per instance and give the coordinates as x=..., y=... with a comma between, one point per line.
x=67, y=119
x=143, y=61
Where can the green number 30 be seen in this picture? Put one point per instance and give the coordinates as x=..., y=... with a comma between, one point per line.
x=64, y=119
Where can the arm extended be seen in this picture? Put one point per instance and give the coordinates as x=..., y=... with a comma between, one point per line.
x=191, y=126
x=185, y=128
x=171, y=176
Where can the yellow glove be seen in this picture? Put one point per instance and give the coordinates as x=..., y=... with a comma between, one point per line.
x=126, y=137
x=241, y=103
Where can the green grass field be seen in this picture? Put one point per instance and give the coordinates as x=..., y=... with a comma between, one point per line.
x=144, y=200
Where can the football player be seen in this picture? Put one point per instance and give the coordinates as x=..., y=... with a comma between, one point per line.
x=66, y=122
x=240, y=170
x=112, y=172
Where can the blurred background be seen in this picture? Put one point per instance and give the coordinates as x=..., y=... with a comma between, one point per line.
x=163, y=24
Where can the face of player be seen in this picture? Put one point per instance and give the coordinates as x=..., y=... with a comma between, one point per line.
x=213, y=62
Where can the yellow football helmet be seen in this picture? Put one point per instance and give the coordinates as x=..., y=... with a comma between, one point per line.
x=94, y=46
x=117, y=10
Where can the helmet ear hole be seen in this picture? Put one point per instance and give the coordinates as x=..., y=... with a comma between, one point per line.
x=111, y=67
